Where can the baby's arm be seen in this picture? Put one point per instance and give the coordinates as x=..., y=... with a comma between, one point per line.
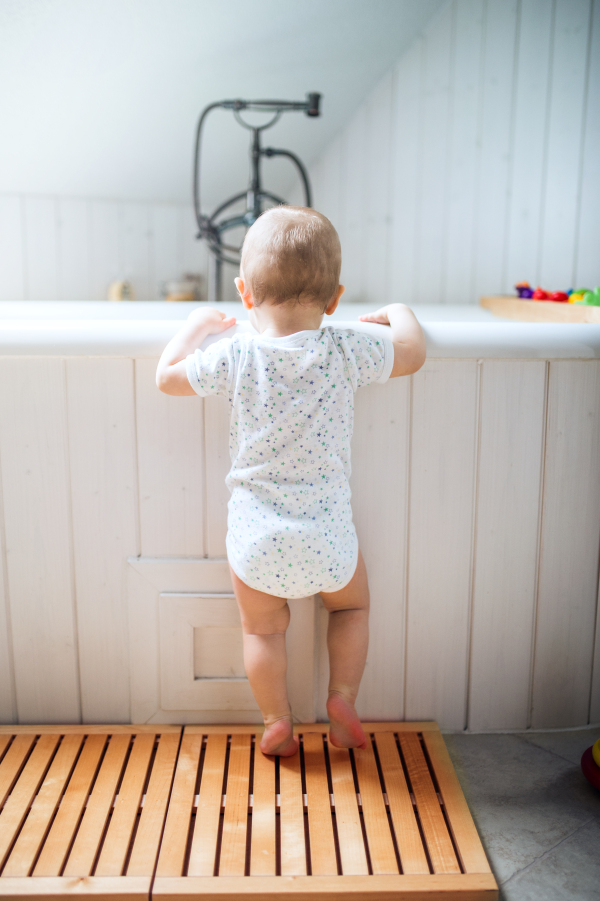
x=171, y=376
x=407, y=337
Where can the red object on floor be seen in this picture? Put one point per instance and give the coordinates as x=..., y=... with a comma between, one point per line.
x=590, y=768
x=540, y=294
x=559, y=296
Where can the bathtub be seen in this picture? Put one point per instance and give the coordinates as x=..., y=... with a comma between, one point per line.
x=476, y=496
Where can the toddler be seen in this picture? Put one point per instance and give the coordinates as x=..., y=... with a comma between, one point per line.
x=291, y=388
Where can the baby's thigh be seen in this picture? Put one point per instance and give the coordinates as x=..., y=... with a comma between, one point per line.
x=262, y=614
x=354, y=595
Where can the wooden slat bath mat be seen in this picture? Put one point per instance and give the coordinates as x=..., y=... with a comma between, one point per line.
x=387, y=822
x=135, y=812
x=83, y=808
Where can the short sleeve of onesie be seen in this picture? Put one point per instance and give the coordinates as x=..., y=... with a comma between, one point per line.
x=210, y=371
x=368, y=358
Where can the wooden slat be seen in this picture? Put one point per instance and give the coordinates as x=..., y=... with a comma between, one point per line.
x=118, y=837
x=350, y=838
x=322, y=844
x=262, y=852
x=12, y=763
x=85, y=848
x=4, y=742
x=301, y=728
x=147, y=838
x=32, y=835
x=291, y=817
x=56, y=846
x=436, y=834
x=174, y=843
x=235, y=823
x=413, y=859
x=472, y=886
x=91, y=729
x=379, y=837
x=105, y=888
x=470, y=849
x=17, y=805
x=204, y=841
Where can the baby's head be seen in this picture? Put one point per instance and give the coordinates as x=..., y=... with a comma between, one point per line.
x=291, y=255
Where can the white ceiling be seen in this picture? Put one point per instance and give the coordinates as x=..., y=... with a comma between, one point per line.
x=100, y=97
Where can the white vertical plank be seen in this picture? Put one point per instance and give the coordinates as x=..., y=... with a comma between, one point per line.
x=594, y=716
x=353, y=205
x=496, y=125
x=135, y=247
x=218, y=464
x=529, y=143
x=435, y=100
x=170, y=441
x=463, y=150
x=301, y=651
x=73, y=249
x=8, y=707
x=104, y=500
x=587, y=266
x=35, y=481
x=144, y=648
x=377, y=200
x=511, y=429
x=379, y=502
x=41, y=248
x=406, y=117
x=569, y=65
x=104, y=247
x=195, y=253
x=444, y=417
x=568, y=576
x=167, y=246
x=12, y=285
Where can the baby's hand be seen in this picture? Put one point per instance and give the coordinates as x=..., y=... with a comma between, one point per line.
x=380, y=316
x=211, y=320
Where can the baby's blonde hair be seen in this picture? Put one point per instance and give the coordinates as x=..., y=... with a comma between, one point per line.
x=292, y=253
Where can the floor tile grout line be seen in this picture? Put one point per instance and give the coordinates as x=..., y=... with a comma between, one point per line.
x=548, y=750
x=547, y=852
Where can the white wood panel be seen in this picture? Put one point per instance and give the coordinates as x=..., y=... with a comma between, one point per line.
x=587, y=266
x=170, y=440
x=41, y=248
x=377, y=206
x=379, y=503
x=35, y=481
x=8, y=707
x=73, y=249
x=404, y=163
x=218, y=464
x=101, y=410
x=506, y=541
x=569, y=65
x=594, y=716
x=444, y=418
x=353, y=206
x=135, y=248
x=12, y=264
x=496, y=125
x=568, y=577
x=463, y=150
x=435, y=101
x=195, y=254
x=104, y=247
x=529, y=142
x=167, y=246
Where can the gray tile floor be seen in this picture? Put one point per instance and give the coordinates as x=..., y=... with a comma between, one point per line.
x=538, y=818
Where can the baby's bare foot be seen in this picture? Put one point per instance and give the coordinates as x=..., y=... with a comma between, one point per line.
x=345, y=730
x=278, y=739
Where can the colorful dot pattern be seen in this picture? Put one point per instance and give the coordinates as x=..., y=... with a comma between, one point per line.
x=290, y=530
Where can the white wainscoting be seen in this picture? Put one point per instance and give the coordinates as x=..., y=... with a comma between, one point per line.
x=476, y=491
x=474, y=164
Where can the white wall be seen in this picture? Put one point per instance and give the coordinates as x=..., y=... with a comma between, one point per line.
x=63, y=248
x=475, y=162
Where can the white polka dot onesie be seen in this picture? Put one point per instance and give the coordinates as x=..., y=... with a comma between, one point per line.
x=290, y=530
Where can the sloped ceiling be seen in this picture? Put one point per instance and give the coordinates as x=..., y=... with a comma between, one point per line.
x=100, y=97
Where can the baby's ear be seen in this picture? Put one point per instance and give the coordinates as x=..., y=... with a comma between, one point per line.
x=244, y=293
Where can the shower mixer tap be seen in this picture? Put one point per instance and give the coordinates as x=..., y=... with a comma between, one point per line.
x=211, y=228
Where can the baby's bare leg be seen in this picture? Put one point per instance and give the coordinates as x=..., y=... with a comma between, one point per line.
x=265, y=619
x=347, y=642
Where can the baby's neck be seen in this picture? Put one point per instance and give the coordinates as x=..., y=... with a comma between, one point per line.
x=279, y=320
